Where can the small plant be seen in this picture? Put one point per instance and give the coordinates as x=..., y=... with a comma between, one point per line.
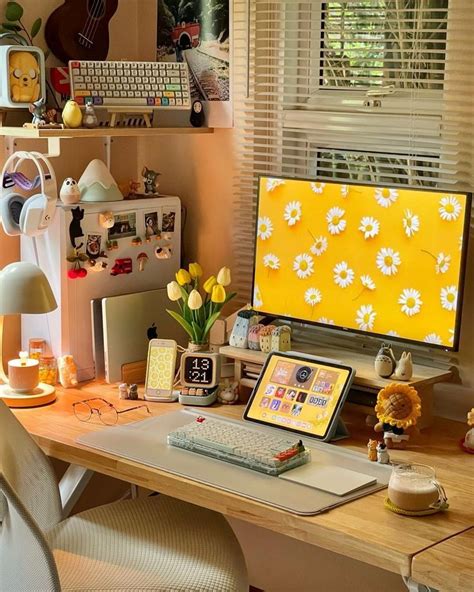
x=14, y=28
x=198, y=312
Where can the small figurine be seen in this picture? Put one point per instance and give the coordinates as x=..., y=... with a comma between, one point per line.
x=468, y=443
x=123, y=390
x=137, y=241
x=133, y=187
x=266, y=338
x=229, y=394
x=72, y=115
x=197, y=114
x=133, y=392
x=150, y=180
x=281, y=338
x=70, y=193
x=98, y=264
x=239, y=336
x=67, y=371
x=385, y=362
x=383, y=456
x=89, y=119
x=404, y=369
x=75, y=229
x=254, y=336
x=42, y=116
x=398, y=409
x=372, y=450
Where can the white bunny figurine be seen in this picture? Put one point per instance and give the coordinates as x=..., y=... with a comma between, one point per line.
x=404, y=369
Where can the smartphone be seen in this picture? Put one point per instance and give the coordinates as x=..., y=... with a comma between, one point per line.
x=160, y=370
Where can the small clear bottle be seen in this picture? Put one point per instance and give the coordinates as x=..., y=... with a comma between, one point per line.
x=36, y=348
x=48, y=369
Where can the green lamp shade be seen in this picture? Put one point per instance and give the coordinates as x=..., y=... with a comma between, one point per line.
x=24, y=289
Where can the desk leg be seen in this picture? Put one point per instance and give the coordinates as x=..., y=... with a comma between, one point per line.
x=415, y=587
x=71, y=486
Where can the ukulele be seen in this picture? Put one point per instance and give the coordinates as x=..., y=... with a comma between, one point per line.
x=79, y=29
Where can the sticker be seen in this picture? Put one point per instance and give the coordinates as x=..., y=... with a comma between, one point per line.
x=163, y=252
x=168, y=220
x=152, y=227
x=93, y=245
x=142, y=259
x=125, y=225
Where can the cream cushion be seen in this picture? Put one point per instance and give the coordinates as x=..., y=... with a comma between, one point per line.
x=154, y=543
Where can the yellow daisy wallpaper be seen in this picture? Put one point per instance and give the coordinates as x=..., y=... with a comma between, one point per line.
x=374, y=259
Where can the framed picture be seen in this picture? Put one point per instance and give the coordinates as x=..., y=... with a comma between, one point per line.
x=152, y=225
x=168, y=220
x=199, y=32
x=93, y=245
x=125, y=225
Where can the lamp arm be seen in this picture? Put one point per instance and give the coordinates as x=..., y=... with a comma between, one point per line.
x=3, y=376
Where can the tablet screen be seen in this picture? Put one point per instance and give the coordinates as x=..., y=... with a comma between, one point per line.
x=299, y=394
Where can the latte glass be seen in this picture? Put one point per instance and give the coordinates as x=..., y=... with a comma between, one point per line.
x=414, y=488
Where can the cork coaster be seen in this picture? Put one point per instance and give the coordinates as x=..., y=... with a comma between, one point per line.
x=393, y=508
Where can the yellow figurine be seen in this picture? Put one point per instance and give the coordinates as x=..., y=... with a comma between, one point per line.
x=25, y=73
x=468, y=442
x=372, y=450
x=72, y=115
x=67, y=371
x=398, y=409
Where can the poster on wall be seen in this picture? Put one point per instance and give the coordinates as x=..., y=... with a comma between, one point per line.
x=199, y=32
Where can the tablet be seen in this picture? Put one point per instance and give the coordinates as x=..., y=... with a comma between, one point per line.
x=301, y=394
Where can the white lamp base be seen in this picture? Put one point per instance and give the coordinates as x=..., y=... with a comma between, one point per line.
x=41, y=395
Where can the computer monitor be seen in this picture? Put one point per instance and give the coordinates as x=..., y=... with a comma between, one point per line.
x=383, y=261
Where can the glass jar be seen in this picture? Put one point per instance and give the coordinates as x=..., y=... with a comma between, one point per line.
x=48, y=370
x=36, y=348
x=414, y=487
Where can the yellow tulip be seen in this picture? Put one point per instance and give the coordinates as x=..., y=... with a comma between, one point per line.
x=174, y=291
x=183, y=277
x=194, y=300
x=223, y=277
x=209, y=284
x=195, y=270
x=218, y=294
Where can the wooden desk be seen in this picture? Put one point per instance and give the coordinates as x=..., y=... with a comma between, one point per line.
x=362, y=529
x=448, y=566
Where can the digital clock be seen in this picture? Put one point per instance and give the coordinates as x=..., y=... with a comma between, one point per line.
x=200, y=369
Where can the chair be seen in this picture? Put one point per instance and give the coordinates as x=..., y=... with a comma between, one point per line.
x=155, y=543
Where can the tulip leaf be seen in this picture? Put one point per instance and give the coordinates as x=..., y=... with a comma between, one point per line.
x=13, y=11
x=186, y=326
x=210, y=321
x=35, y=27
x=230, y=296
x=197, y=332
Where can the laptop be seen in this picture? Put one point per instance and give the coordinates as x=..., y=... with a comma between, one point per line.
x=123, y=326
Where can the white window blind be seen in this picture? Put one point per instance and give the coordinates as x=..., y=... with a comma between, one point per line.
x=364, y=90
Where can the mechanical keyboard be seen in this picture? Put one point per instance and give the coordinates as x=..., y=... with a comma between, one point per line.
x=130, y=84
x=235, y=444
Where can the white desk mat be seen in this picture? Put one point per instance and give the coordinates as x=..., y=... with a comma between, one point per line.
x=145, y=442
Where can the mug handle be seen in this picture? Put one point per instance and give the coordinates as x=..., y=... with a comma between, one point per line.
x=442, y=503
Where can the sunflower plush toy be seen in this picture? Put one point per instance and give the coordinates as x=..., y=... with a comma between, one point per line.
x=398, y=409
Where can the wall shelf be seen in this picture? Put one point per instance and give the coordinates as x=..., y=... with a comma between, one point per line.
x=99, y=132
x=54, y=136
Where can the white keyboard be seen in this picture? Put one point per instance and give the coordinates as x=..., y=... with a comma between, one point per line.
x=236, y=444
x=131, y=84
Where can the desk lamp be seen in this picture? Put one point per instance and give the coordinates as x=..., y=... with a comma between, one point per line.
x=24, y=289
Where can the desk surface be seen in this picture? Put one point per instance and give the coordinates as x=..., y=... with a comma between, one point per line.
x=449, y=565
x=362, y=529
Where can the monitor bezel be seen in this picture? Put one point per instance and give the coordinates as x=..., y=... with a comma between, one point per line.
x=341, y=330
x=301, y=358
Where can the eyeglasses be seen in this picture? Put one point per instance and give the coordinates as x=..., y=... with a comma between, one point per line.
x=108, y=414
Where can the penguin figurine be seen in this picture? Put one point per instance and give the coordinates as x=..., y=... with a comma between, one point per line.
x=385, y=362
x=70, y=192
x=197, y=114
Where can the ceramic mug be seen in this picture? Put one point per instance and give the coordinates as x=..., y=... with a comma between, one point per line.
x=414, y=488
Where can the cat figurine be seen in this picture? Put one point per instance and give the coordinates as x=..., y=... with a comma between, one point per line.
x=150, y=180
x=404, y=369
x=106, y=219
x=385, y=362
x=75, y=230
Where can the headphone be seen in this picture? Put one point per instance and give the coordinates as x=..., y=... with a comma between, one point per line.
x=30, y=216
